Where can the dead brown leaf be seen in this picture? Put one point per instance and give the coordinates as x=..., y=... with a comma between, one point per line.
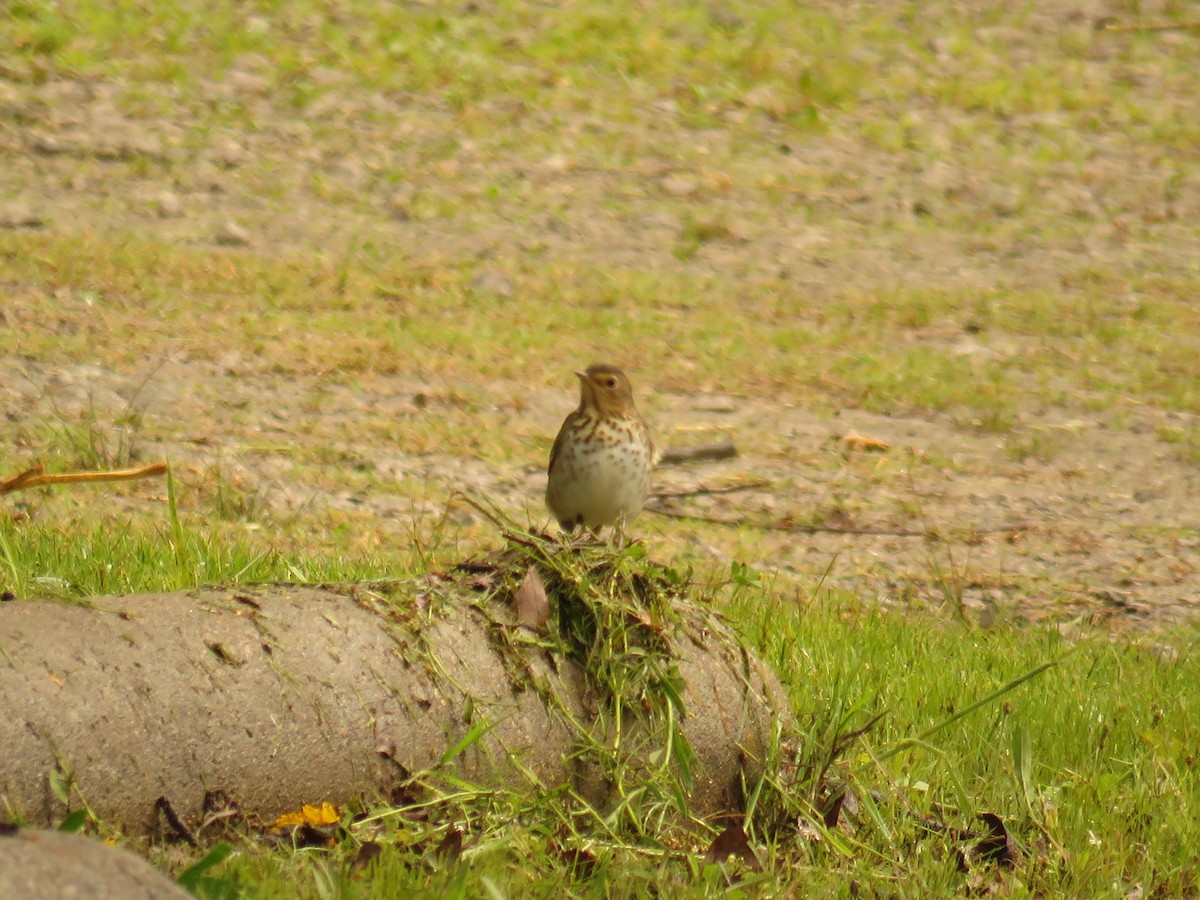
x=732, y=842
x=367, y=853
x=449, y=849
x=581, y=862
x=997, y=845
x=533, y=607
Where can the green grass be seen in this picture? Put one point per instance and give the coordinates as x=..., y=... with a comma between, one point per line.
x=110, y=559
x=323, y=318
x=1089, y=763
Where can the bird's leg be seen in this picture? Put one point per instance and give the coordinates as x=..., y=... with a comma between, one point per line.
x=617, y=538
x=581, y=535
x=570, y=534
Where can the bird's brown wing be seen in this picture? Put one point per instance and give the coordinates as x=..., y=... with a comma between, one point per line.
x=568, y=422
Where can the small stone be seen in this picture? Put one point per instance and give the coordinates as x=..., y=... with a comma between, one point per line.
x=715, y=403
x=766, y=99
x=169, y=206
x=329, y=77
x=492, y=282
x=207, y=177
x=555, y=164
x=19, y=215
x=250, y=84
x=228, y=153
x=680, y=185
x=231, y=234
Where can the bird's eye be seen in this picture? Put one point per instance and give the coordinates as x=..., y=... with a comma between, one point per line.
x=610, y=382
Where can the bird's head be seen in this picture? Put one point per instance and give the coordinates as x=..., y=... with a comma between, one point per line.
x=606, y=390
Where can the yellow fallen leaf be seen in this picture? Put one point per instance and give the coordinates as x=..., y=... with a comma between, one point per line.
x=325, y=814
x=855, y=441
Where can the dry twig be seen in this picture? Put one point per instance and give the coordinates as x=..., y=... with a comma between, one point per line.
x=1110, y=24
x=673, y=456
x=702, y=490
x=931, y=534
x=37, y=476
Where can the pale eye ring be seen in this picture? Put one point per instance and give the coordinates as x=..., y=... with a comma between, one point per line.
x=610, y=382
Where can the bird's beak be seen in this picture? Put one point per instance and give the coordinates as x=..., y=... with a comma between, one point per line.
x=582, y=376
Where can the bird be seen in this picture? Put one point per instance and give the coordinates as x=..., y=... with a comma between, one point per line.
x=601, y=462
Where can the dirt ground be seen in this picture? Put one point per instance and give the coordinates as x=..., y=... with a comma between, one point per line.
x=1100, y=529
x=1105, y=524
